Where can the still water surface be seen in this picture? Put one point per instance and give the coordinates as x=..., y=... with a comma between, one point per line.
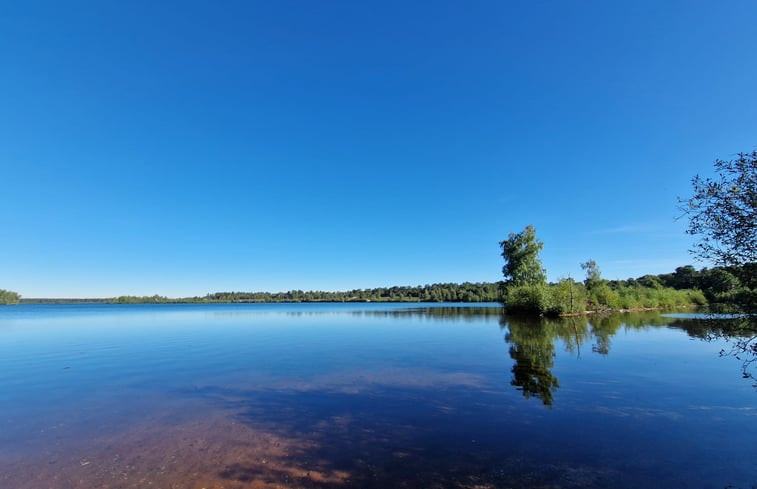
x=366, y=395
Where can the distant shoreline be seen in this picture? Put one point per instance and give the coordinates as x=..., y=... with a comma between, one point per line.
x=180, y=301
x=108, y=301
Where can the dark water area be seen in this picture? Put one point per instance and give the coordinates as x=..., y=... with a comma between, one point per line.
x=369, y=395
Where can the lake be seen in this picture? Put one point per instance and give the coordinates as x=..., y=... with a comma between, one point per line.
x=369, y=396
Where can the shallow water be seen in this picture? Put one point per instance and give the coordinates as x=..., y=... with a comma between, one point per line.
x=366, y=395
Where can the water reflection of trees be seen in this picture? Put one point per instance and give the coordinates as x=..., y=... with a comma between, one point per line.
x=431, y=313
x=739, y=335
x=533, y=349
x=532, y=345
x=472, y=313
x=533, y=342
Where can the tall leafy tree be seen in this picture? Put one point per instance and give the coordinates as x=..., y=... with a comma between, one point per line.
x=522, y=263
x=723, y=212
x=593, y=275
x=685, y=277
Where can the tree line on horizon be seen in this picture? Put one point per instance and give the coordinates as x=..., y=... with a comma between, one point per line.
x=718, y=285
x=441, y=292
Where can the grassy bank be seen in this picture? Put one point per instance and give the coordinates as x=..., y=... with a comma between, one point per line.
x=568, y=297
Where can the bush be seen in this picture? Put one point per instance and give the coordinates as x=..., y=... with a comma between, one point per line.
x=696, y=297
x=603, y=297
x=734, y=301
x=9, y=297
x=528, y=299
x=567, y=297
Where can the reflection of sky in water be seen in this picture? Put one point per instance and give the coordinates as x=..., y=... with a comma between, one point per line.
x=367, y=392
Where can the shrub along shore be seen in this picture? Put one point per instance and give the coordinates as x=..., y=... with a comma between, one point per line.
x=526, y=291
x=570, y=298
x=721, y=289
x=717, y=288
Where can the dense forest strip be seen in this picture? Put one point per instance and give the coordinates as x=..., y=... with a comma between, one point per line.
x=62, y=300
x=449, y=292
x=685, y=286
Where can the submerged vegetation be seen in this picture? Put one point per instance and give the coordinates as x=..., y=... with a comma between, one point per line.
x=9, y=297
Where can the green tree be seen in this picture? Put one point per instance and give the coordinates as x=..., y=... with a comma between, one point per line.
x=651, y=281
x=9, y=297
x=568, y=297
x=593, y=275
x=685, y=277
x=718, y=281
x=522, y=263
x=723, y=212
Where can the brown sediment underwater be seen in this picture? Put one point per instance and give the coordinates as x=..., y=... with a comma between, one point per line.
x=220, y=451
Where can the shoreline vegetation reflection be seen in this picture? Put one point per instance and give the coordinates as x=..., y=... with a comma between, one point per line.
x=532, y=339
x=533, y=342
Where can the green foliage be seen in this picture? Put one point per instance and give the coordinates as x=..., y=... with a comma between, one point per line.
x=448, y=292
x=723, y=216
x=532, y=299
x=686, y=277
x=567, y=297
x=651, y=281
x=522, y=263
x=719, y=281
x=735, y=301
x=602, y=297
x=696, y=297
x=130, y=299
x=723, y=212
x=639, y=297
x=593, y=276
x=9, y=297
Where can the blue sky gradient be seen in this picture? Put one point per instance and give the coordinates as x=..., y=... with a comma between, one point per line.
x=189, y=147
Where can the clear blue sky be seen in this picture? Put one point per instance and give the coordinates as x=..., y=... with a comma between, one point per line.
x=188, y=147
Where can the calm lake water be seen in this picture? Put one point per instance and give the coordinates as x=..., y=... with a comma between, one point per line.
x=366, y=395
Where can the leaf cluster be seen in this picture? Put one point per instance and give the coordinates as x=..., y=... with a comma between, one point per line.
x=522, y=263
x=9, y=297
x=723, y=212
